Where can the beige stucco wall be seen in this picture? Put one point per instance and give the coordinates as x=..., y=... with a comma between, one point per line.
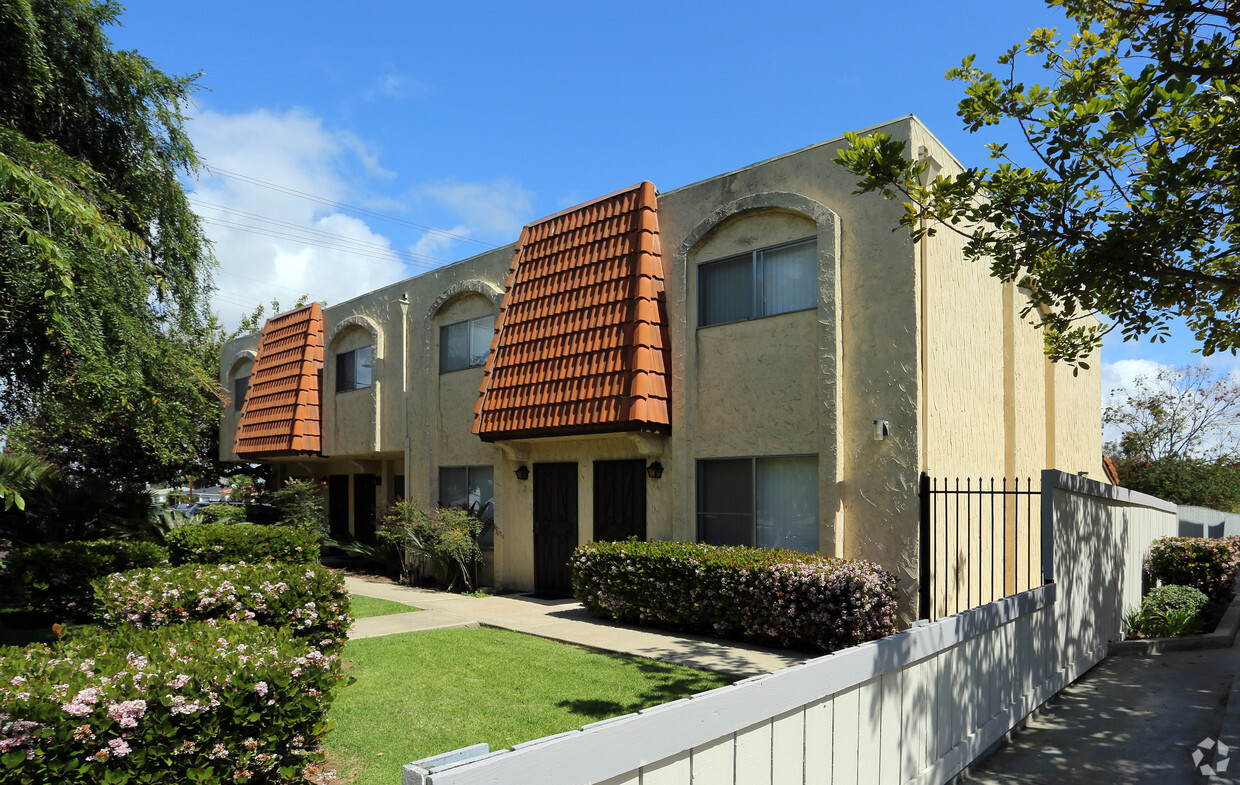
x=1077, y=443
x=236, y=360
x=910, y=334
x=351, y=418
x=514, y=546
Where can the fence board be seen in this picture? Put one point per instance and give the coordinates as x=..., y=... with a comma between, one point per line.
x=675, y=770
x=788, y=749
x=753, y=754
x=844, y=742
x=714, y=763
x=819, y=733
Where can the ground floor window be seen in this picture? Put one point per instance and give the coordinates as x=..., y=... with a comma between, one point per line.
x=766, y=502
x=472, y=487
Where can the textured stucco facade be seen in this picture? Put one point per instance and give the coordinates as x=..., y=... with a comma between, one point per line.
x=907, y=333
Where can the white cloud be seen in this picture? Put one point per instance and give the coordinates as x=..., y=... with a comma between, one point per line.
x=1118, y=381
x=264, y=239
x=395, y=86
x=1122, y=374
x=493, y=212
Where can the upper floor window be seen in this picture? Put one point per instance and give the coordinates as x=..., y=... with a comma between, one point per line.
x=241, y=386
x=353, y=369
x=465, y=344
x=779, y=279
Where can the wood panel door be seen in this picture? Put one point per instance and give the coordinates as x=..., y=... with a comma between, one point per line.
x=364, y=507
x=619, y=500
x=555, y=526
x=338, y=506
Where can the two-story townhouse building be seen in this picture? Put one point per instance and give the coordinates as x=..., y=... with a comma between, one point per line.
x=706, y=363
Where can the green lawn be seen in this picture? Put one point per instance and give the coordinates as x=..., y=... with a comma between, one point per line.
x=422, y=693
x=361, y=607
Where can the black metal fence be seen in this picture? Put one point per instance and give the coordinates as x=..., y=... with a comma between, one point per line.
x=980, y=540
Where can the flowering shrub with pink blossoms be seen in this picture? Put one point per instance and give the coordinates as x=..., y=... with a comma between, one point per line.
x=221, y=543
x=769, y=596
x=310, y=601
x=236, y=703
x=1209, y=565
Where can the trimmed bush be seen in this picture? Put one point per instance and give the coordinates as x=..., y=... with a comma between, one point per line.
x=222, y=543
x=222, y=513
x=55, y=578
x=1176, y=599
x=770, y=596
x=311, y=602
x=188, y=703
x=1206, y=564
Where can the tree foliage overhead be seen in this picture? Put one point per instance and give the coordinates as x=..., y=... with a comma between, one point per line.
x=104, y=270
x=1130, y=210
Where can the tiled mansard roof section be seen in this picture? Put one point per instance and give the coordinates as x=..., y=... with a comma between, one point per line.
x=281, y=413
x=581, y=343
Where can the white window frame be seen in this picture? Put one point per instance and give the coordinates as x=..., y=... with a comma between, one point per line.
x=757, y=308
x=756, y=503
x=351, y=358
x=487, y=541
x=240, y=392
x=477, y=355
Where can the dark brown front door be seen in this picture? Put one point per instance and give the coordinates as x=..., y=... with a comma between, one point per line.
x=619, y=500
x=364, y=508
x=555, y=526
x=338, y=506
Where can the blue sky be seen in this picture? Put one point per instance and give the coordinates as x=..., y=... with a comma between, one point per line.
x=475, y=117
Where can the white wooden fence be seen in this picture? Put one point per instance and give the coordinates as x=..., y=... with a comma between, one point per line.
x=1205, y=522
x=916, y=707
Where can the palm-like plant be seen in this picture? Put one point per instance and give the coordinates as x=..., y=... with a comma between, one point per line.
x=23, y=475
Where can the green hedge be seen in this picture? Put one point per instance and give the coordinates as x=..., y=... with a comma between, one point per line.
x=222, y=543
x=56, y=578
x=187, y=703
x=1209, y=565
x=309, y=601
x=1176, y=599
x=222, y=513
x=774, y=597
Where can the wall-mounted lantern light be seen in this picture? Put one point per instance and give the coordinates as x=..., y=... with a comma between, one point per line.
x=655, y=470
x=522, y=472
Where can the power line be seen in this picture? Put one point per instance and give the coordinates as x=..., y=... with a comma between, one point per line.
x=297, y=292
x=348, y=207
x=424, y=260
x=307, y=241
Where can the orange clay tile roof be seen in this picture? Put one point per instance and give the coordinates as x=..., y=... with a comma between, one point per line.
x=581, y=342
x=280, y=415
x=1112, y=473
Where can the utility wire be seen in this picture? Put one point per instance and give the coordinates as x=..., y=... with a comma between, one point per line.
x=297, y=292
x=348, y=207
x=429, y=262
x=306, y=241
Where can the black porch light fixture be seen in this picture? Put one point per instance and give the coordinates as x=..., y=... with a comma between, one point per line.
x=522, y=472
x=654, y=471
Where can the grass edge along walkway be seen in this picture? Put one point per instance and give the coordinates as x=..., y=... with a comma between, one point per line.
x=422, y=693
x=363, y=607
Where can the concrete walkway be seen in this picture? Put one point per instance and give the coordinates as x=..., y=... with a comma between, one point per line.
x=1129, y=720
x=561, y=620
